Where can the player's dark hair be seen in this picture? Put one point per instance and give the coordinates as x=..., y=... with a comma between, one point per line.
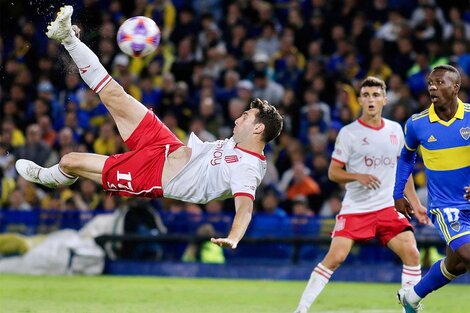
x=374, y=82
x=269, y=116
x=449, y=68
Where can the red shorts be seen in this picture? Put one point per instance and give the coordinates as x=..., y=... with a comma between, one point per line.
x=139, y=171
x=383, y=224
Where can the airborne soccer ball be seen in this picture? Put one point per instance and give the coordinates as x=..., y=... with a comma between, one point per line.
x=138, y=36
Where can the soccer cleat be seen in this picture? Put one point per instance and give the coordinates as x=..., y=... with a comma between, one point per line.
x=30, y=171
x=61, y=27
x=409, y=307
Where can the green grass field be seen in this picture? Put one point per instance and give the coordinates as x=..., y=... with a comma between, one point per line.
x=27, y=294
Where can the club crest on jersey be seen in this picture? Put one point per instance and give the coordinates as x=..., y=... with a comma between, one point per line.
x=231, y=158
x=393, y=139
x=465, y=132
x=455, y=226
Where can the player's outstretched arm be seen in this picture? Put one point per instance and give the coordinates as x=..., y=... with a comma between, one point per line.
x=244, y=207
x=418, y=209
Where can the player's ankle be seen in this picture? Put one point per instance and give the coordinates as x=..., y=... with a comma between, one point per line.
x=70, y=41
x=412, y=296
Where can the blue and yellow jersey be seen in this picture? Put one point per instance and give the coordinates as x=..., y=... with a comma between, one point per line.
x=445, y=149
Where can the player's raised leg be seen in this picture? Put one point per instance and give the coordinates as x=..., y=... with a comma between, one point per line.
x=321, y=274
x=126, y=111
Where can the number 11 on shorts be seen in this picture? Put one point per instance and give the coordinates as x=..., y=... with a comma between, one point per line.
x=126, y=177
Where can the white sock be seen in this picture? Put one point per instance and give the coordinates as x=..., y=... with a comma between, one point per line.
x=412, y=297
x=55, y=175
x=318, y=279
x=92, y=72
x=410, y=276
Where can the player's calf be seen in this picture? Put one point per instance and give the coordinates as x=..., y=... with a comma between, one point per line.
x=50, y=177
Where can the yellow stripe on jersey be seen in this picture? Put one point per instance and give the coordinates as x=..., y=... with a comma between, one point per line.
x=409, y=147
x=442, y=224
x=446, y=159
x=420, y=115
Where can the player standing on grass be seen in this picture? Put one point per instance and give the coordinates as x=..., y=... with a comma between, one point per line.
x=365, y=158
x=159, y=165
x=442, y=134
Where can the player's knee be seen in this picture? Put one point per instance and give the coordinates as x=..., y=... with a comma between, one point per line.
x=70, y=162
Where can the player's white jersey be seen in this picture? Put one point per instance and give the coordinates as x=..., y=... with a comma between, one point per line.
x=368, y=150
x=217, y=170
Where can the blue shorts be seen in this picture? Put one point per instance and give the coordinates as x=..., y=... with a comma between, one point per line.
x=453, y=225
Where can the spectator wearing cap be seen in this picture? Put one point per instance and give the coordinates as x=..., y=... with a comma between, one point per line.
x=245, y=91
x=261, y=62
x=46, y=91
x=120, y=65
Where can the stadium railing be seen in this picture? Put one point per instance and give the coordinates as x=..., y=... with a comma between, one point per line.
x=293, y=239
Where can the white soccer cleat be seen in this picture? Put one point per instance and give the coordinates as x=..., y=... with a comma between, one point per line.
x=30, y=171
x=408, y=306
x=61, y=27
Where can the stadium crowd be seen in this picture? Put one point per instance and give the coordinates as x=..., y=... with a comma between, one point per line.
x=306, y=57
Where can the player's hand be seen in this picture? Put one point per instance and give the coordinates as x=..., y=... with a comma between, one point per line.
x=403, y=206
x=420, y=214
x=225, y=242
x=368, y=181
x=467, y=193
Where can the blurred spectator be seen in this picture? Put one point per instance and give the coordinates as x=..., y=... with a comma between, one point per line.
x=204, y=251
x=7, y=186
x=16, y=201
x=49, y=135
x=7, y=162
x=88, y=198
x=266, y=89
x=35, y=149
x=197, y=126
x=107, y=142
